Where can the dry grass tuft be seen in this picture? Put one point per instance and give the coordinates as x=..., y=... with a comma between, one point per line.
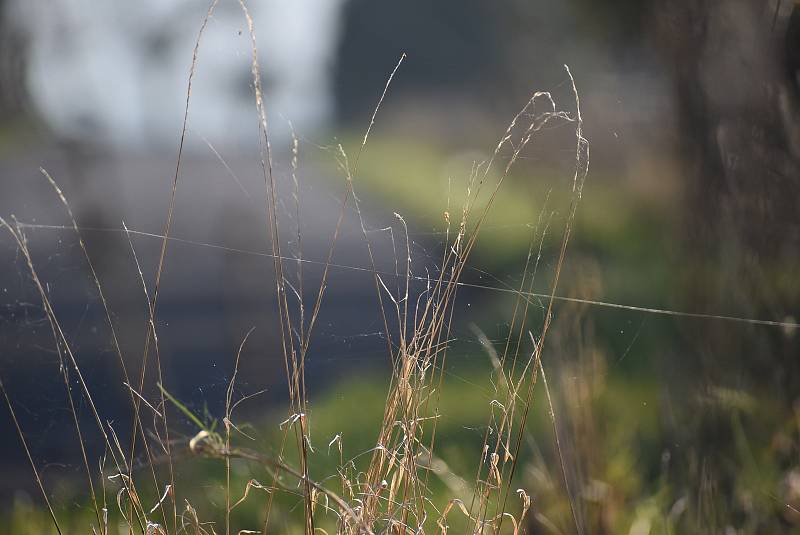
x=390, y=493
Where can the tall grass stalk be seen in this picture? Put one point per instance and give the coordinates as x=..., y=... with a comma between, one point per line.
x=391, y=494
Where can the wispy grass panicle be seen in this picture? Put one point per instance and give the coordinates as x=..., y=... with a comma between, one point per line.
x=388, y=490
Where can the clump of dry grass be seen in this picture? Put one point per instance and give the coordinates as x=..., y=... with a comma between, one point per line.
x=391, y=493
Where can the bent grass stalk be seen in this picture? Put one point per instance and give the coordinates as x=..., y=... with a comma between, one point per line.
x=391, y=494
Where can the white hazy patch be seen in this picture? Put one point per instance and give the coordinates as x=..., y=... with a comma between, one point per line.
x=116, y=72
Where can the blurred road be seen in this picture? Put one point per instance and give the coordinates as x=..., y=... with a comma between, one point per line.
x=218, y=282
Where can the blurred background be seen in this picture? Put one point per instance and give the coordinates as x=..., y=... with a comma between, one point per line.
x=691, y=205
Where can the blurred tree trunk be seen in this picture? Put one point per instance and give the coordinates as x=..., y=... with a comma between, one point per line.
x=734, y=69
x=12, y=68
x=735, y=73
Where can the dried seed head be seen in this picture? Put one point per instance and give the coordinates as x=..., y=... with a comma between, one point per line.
x=196, y=444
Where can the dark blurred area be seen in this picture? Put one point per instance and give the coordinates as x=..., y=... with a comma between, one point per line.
x=692, y=109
